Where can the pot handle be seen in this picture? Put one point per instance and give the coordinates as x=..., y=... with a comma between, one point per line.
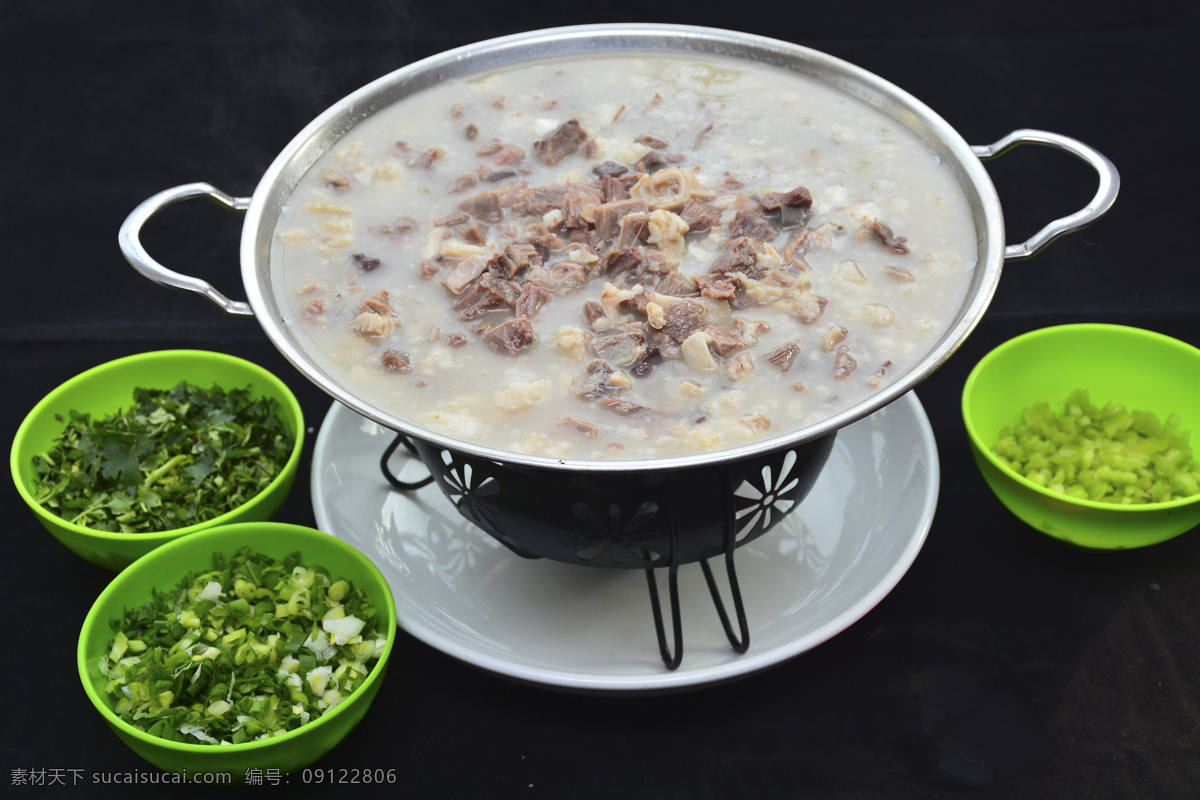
x=141, y=260
x=1106, y=193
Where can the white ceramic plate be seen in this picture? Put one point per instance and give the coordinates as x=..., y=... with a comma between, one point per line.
x=589, y=629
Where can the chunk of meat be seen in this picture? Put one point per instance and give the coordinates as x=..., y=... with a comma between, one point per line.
x=794, y=207
x=623, y=407
x=484, y=206
x=700, y=216
x=750, y=225
x=564, y=277
x=621, y=345
x=531, y=299
x=577, y=426
x=607, y=217
x=682, y=319
x=737, y=255
x=489, y=175
x=562, y=142
x=364, y=262
x=843, y=363
x=540, y=199
x=723, y=342
x=635, y=229
x=574, y=205
x=624, y=260
x=716, y=286
x=612, y=189
x=594, y=383
x=897, y=244
x=464, y=272
x=485, y=293
x=518, y=257
x=509, y=191
x=783, y=356
x=592, y=312
x=677, y=285
x=609, y=169
x=542, y=239
x=395, y=361
x=461, y=183
x=510, y=338
x=475, y=233
x=378, y=303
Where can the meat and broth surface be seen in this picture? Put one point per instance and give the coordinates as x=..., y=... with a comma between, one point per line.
x=625, y=256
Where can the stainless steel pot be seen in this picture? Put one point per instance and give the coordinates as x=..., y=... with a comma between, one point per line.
x=264, y=206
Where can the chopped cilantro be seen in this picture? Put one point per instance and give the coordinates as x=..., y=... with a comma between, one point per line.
x=177, y=457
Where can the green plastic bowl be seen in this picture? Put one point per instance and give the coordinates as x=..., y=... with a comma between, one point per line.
x=168, y=565
x=108, y=388
x=1139, y=369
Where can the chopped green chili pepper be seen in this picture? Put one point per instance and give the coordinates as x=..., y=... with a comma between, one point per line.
x=250, y=649
x=1108, y=454
x=177, y=457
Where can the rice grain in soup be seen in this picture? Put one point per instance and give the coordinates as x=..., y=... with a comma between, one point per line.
x=624, y=256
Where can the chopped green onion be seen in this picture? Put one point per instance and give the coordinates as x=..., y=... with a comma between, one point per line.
x=200, y=663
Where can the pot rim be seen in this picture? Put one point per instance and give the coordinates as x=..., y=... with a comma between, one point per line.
x=316, y=138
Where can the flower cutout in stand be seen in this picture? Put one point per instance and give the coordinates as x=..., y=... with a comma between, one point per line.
x=469, y=496
x=770, y=496
x=617, y=536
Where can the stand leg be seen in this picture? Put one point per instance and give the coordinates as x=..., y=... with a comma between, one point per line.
x=671, y=661
x=739, y=642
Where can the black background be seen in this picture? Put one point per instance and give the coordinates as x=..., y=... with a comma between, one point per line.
x=1003, y=665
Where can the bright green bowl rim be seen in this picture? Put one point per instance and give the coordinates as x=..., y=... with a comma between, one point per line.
x=983, y=447
x=299, y=533
x=291, y=404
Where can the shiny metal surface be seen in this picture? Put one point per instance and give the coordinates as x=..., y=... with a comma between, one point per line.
x=280, y=179
x=129, y=238
x=1106, y=192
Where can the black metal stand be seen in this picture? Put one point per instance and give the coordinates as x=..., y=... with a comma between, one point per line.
x=672, y=653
